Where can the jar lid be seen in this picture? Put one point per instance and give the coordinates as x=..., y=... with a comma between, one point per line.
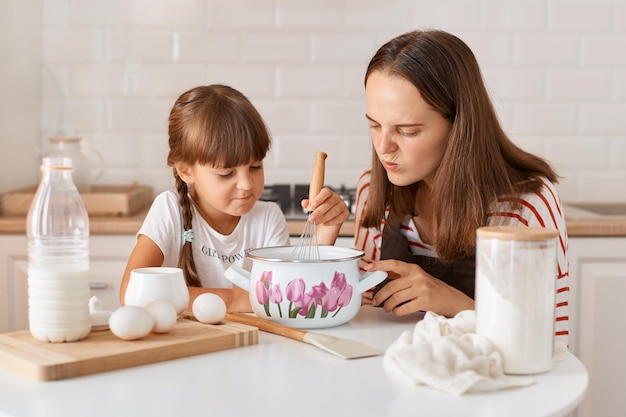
x=64, y=139
x=56, y=163
x=521, y=233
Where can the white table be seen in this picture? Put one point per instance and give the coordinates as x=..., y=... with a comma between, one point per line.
x=280, y=377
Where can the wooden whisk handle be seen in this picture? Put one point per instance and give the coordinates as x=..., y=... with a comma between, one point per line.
x=317, y=176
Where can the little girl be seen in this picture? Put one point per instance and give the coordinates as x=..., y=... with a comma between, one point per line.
x=217, y=142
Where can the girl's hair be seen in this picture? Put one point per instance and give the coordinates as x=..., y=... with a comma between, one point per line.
x=480, y=163
x=213, y=125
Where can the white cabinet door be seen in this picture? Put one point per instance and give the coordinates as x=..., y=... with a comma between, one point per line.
x=107, y=261
x=108, y=257
x=13, y=282
x=597, y=337
x=345, y=241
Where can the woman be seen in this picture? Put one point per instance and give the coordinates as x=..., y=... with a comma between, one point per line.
x=442, y=166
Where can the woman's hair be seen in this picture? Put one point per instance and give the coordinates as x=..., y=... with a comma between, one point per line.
x=212, y=125
x=480, y=163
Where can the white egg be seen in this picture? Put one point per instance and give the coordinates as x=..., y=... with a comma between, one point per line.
x=209, y=308
x=130, y=322
x=164, y=315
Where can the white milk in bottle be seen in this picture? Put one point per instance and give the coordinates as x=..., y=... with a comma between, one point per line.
x=58, y=257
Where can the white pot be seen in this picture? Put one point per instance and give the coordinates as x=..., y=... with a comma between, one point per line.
x=305, y=293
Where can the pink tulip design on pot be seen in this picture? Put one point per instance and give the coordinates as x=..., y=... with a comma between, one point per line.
x=305, y=294
x=267, y=292
x=263, y=291
x=339, y=295
x=306, y=304
x=276, y=297
x=294, y=292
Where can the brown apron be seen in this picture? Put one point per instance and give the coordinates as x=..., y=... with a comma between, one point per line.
x=460, y=273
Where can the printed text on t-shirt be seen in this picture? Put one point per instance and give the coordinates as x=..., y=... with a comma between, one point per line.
x=224, y=258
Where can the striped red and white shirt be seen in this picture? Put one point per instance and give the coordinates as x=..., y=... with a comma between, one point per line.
x=540, y=209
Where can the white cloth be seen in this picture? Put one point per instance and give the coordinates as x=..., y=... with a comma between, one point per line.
x=448, y=355
x=213, y=252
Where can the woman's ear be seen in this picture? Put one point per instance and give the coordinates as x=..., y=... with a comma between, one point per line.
x=184, y=172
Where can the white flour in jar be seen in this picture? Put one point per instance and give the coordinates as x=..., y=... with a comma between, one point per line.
x=515, y=295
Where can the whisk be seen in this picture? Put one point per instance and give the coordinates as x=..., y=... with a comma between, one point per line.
x=307, y=247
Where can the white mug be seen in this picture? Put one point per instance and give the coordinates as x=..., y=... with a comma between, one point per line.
x=157, y=283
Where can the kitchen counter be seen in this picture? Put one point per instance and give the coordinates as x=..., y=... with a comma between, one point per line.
x=599, y=227
x=113, y=225
x=585, y=223
x=579, y=223
x=280, y=376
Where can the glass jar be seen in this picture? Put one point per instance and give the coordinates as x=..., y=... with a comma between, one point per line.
x=516, y=272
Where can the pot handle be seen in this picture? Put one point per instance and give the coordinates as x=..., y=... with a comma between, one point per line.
x=239, y=276
x=369, y=280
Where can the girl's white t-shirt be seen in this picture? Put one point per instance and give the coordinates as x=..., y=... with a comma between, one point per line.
x=213, y=252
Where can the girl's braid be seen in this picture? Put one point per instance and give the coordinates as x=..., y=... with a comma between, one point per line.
x=186, y=261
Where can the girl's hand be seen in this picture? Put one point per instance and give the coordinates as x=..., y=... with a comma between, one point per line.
x=328, y=208
x=411, y=289
x=329, y=213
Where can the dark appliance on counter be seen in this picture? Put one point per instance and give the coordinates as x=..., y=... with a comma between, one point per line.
x=289, y=196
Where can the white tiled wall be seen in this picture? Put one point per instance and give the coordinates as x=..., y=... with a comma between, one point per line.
x=111, y=69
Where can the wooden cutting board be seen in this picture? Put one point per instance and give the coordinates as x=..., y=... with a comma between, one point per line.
x=102, y=351
x=103, y=200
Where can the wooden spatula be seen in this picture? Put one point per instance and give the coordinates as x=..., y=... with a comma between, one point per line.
x=344, y=348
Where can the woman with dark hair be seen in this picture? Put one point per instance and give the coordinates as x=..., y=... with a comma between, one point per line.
x=442, y=166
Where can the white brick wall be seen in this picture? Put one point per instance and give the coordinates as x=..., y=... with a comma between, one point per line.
x=556, y=70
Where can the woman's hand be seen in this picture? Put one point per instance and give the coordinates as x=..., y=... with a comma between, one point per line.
x=411, y=289
x=329, y=213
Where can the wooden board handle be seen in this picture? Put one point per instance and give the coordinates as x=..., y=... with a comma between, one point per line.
x=317, y=176
x=267, y=325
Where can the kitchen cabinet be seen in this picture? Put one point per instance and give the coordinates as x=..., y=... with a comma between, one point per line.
x=108, y=257
x=597, y=290
x=345, y=241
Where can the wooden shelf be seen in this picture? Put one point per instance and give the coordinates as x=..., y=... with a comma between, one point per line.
x=103, y=200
